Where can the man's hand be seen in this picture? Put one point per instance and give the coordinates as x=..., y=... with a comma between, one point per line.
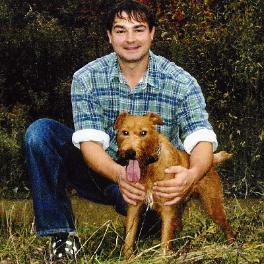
x=104, y=165
x=177, y=188
x=132, y=192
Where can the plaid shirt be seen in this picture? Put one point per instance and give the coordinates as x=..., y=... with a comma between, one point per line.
x=100, y=93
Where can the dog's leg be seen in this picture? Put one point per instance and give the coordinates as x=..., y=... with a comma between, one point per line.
x=211, y=195
x=168, y=217
x=180, y=207
x=131, y=229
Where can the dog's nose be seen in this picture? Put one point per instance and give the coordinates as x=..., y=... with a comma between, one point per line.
x=130, y=154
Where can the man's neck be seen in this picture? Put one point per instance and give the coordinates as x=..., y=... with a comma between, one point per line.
x=133, y=72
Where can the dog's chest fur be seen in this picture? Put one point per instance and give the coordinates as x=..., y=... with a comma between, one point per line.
x=153, y=172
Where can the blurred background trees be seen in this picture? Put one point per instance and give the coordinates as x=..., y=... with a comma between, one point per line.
x=42, y=43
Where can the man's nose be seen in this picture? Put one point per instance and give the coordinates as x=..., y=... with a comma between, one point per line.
x=130, y=36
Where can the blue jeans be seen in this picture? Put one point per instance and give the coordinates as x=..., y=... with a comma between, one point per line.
x=55, y=164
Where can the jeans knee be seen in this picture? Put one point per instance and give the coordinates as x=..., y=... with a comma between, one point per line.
x=36, y=134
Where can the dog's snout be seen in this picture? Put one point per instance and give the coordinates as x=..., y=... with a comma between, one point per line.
x=130, y=154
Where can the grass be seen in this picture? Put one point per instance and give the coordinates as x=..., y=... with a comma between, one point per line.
x=101, y=233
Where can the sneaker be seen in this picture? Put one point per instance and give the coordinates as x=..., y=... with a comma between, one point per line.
x=65, y=246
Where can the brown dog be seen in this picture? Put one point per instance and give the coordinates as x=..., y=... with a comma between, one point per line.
x=148, y=154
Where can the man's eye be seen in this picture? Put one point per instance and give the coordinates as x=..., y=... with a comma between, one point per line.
x=125, y=133
x=143, y=133
x=120, y=31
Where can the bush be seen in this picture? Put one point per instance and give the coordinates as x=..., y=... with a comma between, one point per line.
x=218, y=42
x=12, y=169
x=38, y=57
x=225, y=54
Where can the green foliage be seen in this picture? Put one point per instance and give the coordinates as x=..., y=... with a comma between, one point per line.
x=42, y=43
x=12, y=169
x=39, y=56
x=225, y=53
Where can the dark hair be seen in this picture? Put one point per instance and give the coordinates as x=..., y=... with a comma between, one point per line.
x=134, y=10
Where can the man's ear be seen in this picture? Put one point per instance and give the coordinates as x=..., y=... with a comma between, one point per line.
x=155, y=118
x=109, y=36
x=120, y=120
x=152, y=32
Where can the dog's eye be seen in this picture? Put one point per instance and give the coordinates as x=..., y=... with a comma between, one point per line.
x=143, y=133
x=125, y=133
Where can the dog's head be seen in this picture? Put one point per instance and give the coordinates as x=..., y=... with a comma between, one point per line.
x=137, y=138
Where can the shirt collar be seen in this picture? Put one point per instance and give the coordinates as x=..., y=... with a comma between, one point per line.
x=149, y=77
x=152, y=70
x=114, y=68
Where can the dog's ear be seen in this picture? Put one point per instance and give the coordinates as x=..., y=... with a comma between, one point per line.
x=155, y=118
x=120, y=120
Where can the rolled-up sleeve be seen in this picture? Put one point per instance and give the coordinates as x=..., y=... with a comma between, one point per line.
x=87, y=113
x=193, y=118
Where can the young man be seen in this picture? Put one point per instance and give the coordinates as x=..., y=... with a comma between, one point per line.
x=130, y=79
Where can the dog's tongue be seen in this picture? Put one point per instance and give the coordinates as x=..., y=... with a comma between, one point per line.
x=133, y=171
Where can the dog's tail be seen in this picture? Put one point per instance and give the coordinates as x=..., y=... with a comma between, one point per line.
x=220, y=157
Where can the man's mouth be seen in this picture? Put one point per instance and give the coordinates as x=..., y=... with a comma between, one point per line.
x=131, y=48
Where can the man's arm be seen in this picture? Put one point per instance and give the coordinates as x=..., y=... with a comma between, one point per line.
x=98, y=160
x=175, y=189
x=199, y=141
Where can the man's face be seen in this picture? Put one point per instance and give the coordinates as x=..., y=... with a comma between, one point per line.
x=131, y=40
